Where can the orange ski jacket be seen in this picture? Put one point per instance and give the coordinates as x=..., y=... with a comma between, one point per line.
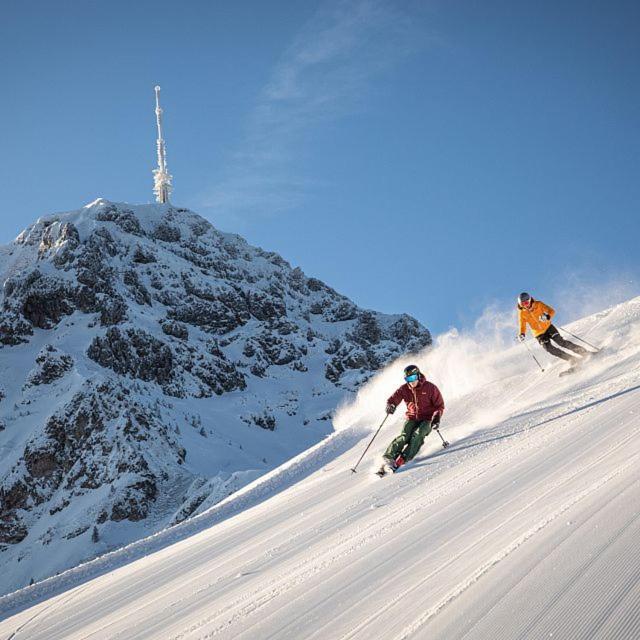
x=534, y=316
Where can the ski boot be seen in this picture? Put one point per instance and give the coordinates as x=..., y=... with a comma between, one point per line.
x=388, y=466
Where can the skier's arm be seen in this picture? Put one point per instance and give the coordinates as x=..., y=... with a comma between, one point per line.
x=438, y=403
x=396, y=398
x=523, y=322
x=550, y=311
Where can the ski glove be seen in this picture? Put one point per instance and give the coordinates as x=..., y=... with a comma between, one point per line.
x=521, y=337
x=391, y=408
x=435, y=422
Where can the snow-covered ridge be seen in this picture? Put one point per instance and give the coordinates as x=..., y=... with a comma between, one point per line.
x=535, y=503
x=158, y=366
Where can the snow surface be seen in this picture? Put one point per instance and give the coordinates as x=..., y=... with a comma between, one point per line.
x=526, y=527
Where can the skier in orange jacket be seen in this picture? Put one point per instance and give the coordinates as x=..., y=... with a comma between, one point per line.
x=537, y=315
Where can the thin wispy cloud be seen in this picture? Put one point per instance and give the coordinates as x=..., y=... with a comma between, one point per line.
x=326, y=73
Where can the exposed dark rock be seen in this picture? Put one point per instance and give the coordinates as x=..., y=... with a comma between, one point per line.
x=333, y=347
x=175, y=329
x=213, y=317
x=86, y=300
x=142, y=256
x=92, y=264
x=408, y=332
x=271, y=349
x=69, y=455
x=166, y=233
x=134, y=505
x=139, y=291
x=316, y=285
x=66, y=242
x=318, y=307
x=52, y=364
x=113, y=310
x=12, y=529
x=366, y=332
x=134, y=353
x=33, y=234
x=195, y=247
x=78, y=531
x=45, y=300
x=264, y=307
x=125, y=219
x=200, y=227
x=264, y=421
x=345, y=310
x=13, y=329
x=69, y=235
x=350, y=358
x=218, y=374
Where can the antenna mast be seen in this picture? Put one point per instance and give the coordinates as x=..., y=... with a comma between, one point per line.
x=161, y=178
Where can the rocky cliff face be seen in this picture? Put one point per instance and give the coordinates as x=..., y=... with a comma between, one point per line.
x=151, y=365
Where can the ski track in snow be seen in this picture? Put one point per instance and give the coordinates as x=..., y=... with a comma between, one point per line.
x=502, y=554
x=524, y=529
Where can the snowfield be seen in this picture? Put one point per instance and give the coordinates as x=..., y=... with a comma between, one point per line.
x=526, y=527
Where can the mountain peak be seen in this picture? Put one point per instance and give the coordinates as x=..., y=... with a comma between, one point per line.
x=159, y=365
x=97, y=203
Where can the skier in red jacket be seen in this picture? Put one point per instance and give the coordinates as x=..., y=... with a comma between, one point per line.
x=425, y=407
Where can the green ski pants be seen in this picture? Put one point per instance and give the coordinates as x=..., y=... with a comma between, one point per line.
x=412, y=436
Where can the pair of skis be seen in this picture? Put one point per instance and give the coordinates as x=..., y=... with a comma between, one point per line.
x=577, y=365
x=573, y=367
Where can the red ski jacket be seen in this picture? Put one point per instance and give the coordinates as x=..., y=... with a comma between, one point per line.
x=422, y=402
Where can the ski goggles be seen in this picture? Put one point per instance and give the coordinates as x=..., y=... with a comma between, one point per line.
x=412, y=377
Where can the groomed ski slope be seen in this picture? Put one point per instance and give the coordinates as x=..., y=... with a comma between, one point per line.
x=526, y=527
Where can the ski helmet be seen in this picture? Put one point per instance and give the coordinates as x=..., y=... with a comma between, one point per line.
x=524, y=299
x=411, y=370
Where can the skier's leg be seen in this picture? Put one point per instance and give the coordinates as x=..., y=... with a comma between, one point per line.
x=398, y=443
x=545, y=343
x=417, y=438
x=554, y=334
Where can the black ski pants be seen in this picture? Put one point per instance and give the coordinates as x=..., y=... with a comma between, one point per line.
x=552, y=333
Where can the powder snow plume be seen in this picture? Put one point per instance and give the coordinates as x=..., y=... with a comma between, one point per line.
x=458, y=362
x=486, y=356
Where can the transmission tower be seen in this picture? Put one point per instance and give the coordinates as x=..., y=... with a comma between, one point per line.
x=161, y=177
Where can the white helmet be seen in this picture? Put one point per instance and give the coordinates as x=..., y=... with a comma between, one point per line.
x=525, y=299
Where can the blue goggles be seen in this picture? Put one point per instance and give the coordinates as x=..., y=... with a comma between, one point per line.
x=412, y=377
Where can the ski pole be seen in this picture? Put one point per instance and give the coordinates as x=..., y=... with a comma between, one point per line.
x=593, y=346
x=370, y=443
x=533, y=356
x=445, y=444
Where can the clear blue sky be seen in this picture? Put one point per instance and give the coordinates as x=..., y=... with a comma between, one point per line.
x=427, y=157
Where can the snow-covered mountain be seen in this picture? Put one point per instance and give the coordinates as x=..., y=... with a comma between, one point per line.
x=151, y=366
x=526, y=527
